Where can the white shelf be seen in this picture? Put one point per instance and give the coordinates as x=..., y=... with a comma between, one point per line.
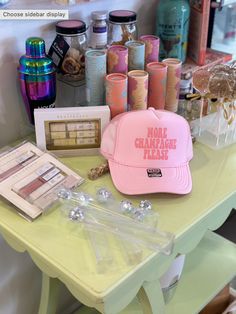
x=207, y=270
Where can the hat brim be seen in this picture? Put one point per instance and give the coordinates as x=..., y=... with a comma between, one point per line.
x=135, y=180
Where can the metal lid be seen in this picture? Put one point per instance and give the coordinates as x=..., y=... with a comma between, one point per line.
x=35, y=47
x=99, y=15
x=95, y=53
x=35, y=61
x=70, y=27
x=122, y=16
x=36, y=66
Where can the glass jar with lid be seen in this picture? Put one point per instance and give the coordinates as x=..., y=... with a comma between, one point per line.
x=122, y=27
x=72, y=39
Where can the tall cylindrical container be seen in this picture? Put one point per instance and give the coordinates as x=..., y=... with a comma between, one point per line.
x=173, y=83
x=172, y=24
x=37, y=76
x=95, y=64
x=152, y=44
x=157, y=84
x=116, y=93
x=137, y=89
x=136, y=54
x=117, y=59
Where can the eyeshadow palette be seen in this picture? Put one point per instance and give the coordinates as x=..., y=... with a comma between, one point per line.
x=73, y=135
x=30, y=179
x=16, y=159
x=71, y=131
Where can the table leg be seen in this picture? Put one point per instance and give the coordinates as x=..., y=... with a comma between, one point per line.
x=49, y=295
x=151, y=298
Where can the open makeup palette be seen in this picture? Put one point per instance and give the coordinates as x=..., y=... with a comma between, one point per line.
x=30, y=178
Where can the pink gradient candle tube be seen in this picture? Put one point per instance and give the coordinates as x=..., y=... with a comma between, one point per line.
x=137, y=89
x=117, y=59
x=157, y=84
x=174, y=67
x=152, y=44
x=116, y=93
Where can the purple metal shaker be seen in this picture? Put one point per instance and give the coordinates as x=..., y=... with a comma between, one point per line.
x=37, y=76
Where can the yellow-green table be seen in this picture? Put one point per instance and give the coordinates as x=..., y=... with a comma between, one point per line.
x=62, y=254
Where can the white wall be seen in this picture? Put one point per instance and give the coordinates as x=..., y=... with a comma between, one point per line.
x=19, y=278
x=13, y=120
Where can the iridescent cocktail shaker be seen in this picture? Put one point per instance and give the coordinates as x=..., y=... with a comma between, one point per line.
x=37, y=77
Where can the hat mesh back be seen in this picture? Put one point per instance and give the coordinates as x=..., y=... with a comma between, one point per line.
x=109, y=139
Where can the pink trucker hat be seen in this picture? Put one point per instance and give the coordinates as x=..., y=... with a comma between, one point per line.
x=149, y=152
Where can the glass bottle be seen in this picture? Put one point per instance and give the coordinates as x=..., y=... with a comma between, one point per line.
x=172, y=24
x=98, y=28
x=186, y=87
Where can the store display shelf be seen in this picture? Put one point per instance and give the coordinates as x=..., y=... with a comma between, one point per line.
x=207, y=270
x=133, y=308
